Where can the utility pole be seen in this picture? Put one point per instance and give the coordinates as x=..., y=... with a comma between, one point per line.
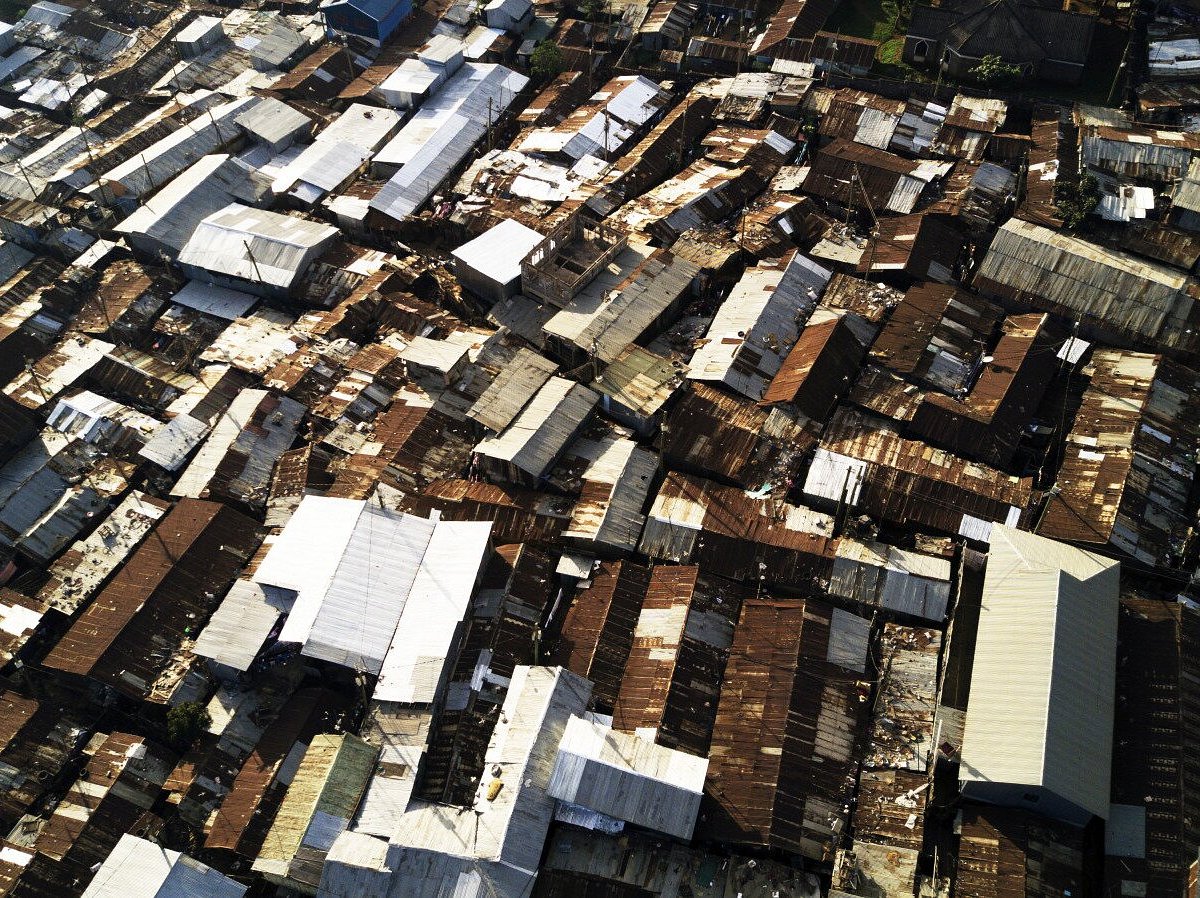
x=253, y=261
x=24, y=174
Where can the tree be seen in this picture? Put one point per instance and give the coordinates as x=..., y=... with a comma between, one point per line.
x=994, y=70
x=186, y=722
x=1076, y=201
x=547, y=61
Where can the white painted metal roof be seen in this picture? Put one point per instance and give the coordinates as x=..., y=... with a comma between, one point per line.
x=137, y=868
x=498, y=252
x=436, y=604
x=629, y=778
x=1040, y=711
x=256, y=245
x=241, y=623
x=355, y=567
x=492, y=848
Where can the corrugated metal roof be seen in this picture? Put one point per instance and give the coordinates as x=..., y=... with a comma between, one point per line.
x=757, y=325
x=432, y=612
x=538, y=434
x=240, y=626
x=212, y=300
x=936, y=335
x=783, y=759
x=256, y=245
x=137, y=867
x=736, y=439
x=493, y=848
x=321, y=800
x=629, y=778
x=443, y=131
x=602, y=322
x=737, y=534
x=498, y=252
x=88, y=563
x=675, y=667
x=597, y=632
x=888, y=577
x=1040, y=713
x=169, y=219
x=236, y=461
x=1128, y=470
x=864, y=462
x=126, y=636
x=272, y=121
x=162, y=161
x=515, y=384
x=242, y=819
x=1142, y=300
x=1006, y=854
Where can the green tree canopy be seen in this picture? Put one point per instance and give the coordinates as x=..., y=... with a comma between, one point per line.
x=1076, y=201
x=186, y=722
x=546, y=62
x=992, y=69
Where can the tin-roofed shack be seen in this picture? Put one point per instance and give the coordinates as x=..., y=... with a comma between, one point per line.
x=117, y=789
x=864, y=463
x=734, y=439
x=321, y=799
x=822, y=366
x=737, y=534
x=1151, y=838
x=936, y=336
x=758, y=323
x=525, y=451
x=843, y=171
x=1110, y=291
x=677, y=663
x=598, y=631
x=789, y=723
x=1128, y=463
x=242, y=822
x=989, y=421
x=636, y=387
x=130, y=635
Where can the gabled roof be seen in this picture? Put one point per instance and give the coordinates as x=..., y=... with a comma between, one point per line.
x=1017, y=30
x=378, y=10
x=1044, y=673
x=357, y=568
x=256, y=245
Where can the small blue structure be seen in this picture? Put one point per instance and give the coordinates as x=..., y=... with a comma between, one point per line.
x=373, y=20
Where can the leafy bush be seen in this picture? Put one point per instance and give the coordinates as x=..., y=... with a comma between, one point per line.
x=994, y=70
x=1076, y=201
x=546, y=62
x=186, y=722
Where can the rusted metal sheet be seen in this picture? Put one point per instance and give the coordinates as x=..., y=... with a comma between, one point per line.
x=1128, y=463
x=735, y=439
x=819, y=370
x=987, y=423
x=675, y=668
x=886, y=476
x=732, y=533
x=936, y=336
x=128, y=635
x=242, y=821
x=784, y=757
x=597, y=633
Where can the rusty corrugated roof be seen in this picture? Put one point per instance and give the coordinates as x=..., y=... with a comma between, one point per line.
x=126, y=636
